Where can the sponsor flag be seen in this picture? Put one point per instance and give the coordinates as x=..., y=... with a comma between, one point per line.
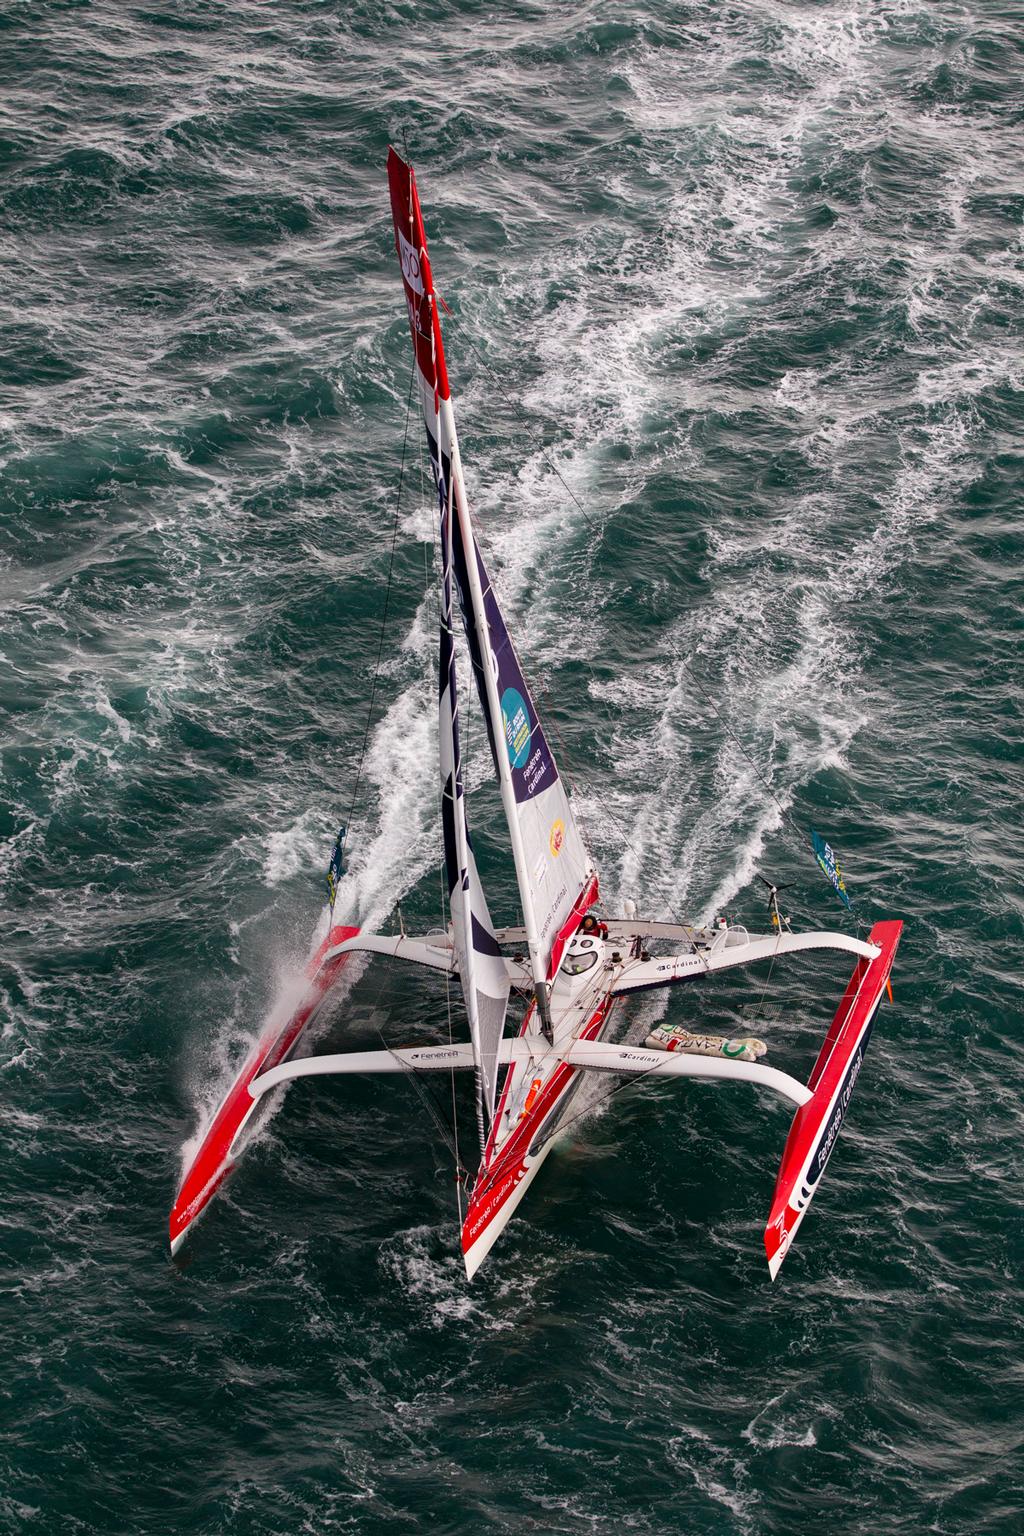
x=336, y=866
x=829, y=866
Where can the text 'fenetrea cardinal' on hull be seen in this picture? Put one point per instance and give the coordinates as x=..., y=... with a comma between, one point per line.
x=570, y=968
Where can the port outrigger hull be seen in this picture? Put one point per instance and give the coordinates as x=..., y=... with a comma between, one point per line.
x=226, y=1134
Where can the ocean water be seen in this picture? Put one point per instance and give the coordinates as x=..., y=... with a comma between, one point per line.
x=736, y=296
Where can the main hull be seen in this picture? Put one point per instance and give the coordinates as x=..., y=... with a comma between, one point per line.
x=510, y=1165
x=223, y=1141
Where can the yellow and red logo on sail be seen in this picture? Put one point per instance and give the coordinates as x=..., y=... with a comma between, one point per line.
x=557, y=838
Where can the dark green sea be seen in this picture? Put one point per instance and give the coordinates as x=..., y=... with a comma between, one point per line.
x=737, y=293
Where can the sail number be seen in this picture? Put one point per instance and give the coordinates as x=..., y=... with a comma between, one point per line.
x=412, y=269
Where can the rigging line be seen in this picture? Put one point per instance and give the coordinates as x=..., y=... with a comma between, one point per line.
x=544, y=694
x=387, y=600
x=674, y=655
x=594, y=527
x=768, y=978
x=695, y=949
x=524, y=421
x=723, y=722
x=613, y=819
x=626, y=1082
x=588, y=1109
x=425, y=1095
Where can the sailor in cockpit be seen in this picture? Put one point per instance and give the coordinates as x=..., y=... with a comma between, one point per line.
x=585, y=947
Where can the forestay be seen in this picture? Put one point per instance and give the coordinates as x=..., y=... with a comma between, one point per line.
x=556, y=877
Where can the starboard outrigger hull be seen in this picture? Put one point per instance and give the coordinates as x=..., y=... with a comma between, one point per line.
x=817, y=1123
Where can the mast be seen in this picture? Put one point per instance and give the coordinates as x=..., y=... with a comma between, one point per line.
x=494, y=712
x=554, y=871
x=482, y=972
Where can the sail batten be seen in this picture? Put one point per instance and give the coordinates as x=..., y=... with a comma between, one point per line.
x=555, y=874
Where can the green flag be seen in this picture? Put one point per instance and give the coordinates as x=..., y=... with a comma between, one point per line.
x=829, y=866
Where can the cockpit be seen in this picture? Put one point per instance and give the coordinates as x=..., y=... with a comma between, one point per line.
x=579, y=957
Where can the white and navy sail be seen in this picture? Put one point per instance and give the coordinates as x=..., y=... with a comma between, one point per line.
x=481, y=967
x=556, y=876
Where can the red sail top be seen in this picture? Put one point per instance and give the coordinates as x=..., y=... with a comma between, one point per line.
x=411, y=245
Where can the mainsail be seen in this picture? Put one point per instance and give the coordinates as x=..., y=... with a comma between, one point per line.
x=556, y=877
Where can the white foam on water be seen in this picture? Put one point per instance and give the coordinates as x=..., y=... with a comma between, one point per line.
x=20, y=1058
x=420, y=525
x=718, y=1473
x=433, y=1282
x=402, y=765
x=832, y=43
x=21, y=1514
x=196, y=653
x=104, y=708
x=770, y=714
x=799, y=390
x=64, y=783
x=780, y=1428
x=28, y=842
x=421, y=638
x=178, y=462
x=966, y=377
x=68, y=720
x=297, y=848
x=936, y=462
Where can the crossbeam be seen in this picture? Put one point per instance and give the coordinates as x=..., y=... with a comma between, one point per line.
x=666, y=970
x=599, y=1056
x=435, y=951
x=586, y=1055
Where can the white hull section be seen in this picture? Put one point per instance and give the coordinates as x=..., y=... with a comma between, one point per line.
x=478, y=1250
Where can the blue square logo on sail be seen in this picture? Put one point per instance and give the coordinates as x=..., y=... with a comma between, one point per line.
x=517, y=727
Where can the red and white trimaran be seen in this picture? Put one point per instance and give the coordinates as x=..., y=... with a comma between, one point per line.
x=572, y=969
